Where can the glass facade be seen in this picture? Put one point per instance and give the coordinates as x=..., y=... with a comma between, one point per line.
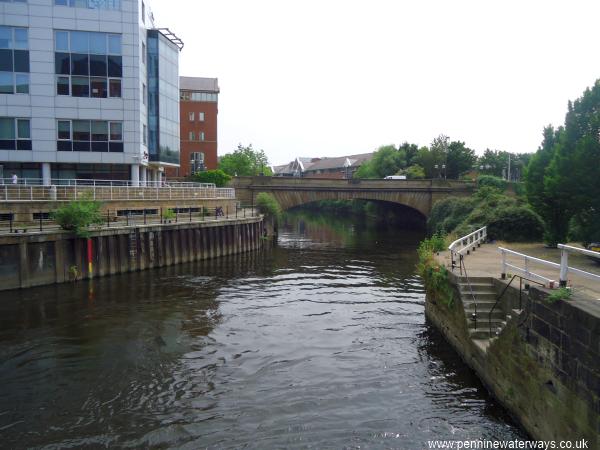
x=163, y=99
x=88, y=64
x=90, y=4
x=14, y=60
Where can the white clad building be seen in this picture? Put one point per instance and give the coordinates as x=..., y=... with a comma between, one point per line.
x=88, y=89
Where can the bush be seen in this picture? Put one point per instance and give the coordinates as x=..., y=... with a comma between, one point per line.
x=491, y=181
x=515, y=223
x=415, y=172
x=77, y=216
x=218, y=177
x=268, y=206
x=448, y=213
x=435, y=275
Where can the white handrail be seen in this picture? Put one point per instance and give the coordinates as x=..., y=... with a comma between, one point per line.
x=468, y=242
x=99, y=182
x=563, y=267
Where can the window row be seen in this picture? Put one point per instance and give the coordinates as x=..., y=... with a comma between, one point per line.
x=13, y=38
x=198, y=96
x=88, y=86
x=89, y=135
x=14, y=83
x=81, y=64
x=90, y=42
x=98, y=87
x=192, y=116
x=192, y=136
x=15, y=133
x=90, y=4
x=14, y=60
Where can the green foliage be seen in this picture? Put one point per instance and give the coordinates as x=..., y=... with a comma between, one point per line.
x=387, y=160
x=415, y=172
x=460, y=159
x=268, y=205
x=447, y=214
x=168, y=214
x=435, y=275
x=491, y=181
x=507, y=218
x=562, y=178
x=218, y=177
x=77, y=216
x=245, y=161
x=559, y=294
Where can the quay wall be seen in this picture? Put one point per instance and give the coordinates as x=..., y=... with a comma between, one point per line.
x=543, y=367
x=35, y=259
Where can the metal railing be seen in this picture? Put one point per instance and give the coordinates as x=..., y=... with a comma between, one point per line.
x=464, y=245
x=23, y=192
x=467, y=243
x=93, y=182
x=113, y=218
x=563, y=267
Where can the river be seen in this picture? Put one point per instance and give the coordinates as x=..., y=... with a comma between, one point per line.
x=320, y=342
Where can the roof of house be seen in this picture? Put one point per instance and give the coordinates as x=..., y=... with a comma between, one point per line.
x=339, y=162
x=199, y=84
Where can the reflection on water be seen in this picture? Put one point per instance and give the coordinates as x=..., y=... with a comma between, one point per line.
x=319, y=342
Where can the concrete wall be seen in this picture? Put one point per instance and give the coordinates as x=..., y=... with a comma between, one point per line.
x=544, y=367
x=23, y=211
x=47, y=258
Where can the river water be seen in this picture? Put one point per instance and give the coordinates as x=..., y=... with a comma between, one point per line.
x=320, y=342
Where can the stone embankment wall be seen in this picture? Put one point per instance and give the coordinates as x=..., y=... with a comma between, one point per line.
x=47, y=258
x=544, y=366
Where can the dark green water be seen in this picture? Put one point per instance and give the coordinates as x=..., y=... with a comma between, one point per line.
x=320, y=342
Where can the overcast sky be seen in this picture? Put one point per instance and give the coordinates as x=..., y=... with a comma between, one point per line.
x=339, y=77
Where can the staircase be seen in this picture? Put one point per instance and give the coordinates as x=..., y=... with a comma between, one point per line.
x=479, y=296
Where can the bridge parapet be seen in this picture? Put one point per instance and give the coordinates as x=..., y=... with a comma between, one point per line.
x=292, y=191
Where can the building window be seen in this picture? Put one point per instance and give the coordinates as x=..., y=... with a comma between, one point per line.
x=144, y=94
x=191, y=115
x=196, y=162
x=89, y=135
x=199, y=96
x=143, y=52
x=192, y=136
x=14, y=60
x=145, y=135
x=88, y=64
x=201, y=136
x=90, y=4
x=201, y=116
x=15, y=133
x=143, y=13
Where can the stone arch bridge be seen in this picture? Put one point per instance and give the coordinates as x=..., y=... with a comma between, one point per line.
x=420, y=195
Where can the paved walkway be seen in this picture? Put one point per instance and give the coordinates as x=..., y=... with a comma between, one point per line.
x=487, y=261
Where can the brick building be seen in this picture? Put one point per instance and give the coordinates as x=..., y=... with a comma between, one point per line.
x=198, y=109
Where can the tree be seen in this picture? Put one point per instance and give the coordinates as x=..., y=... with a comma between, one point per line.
x=562, y=177
x=217, y=177
x=492, y=162
x=387, y=160
x=427, y=160
x=415, y=172
x=410, y=150
x=460, y=159
x=77, y=216
x=245, y=161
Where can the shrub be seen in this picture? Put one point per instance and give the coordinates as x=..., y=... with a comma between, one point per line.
x=218, y=177
x=415, y=172
x=435, y=275
x=560, y=294
x=268, y=206
x=448, y=213
x=515, y=223
x=491, y=181
x=77, y=216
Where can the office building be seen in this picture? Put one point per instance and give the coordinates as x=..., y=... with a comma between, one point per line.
x=88, y=89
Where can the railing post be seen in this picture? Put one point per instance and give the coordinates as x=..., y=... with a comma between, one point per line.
x=176, y=212
x=564, y=267
x=190, y=209
x=108, y=218
x=40, y=221
x=503, y=274
x=144, y=216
